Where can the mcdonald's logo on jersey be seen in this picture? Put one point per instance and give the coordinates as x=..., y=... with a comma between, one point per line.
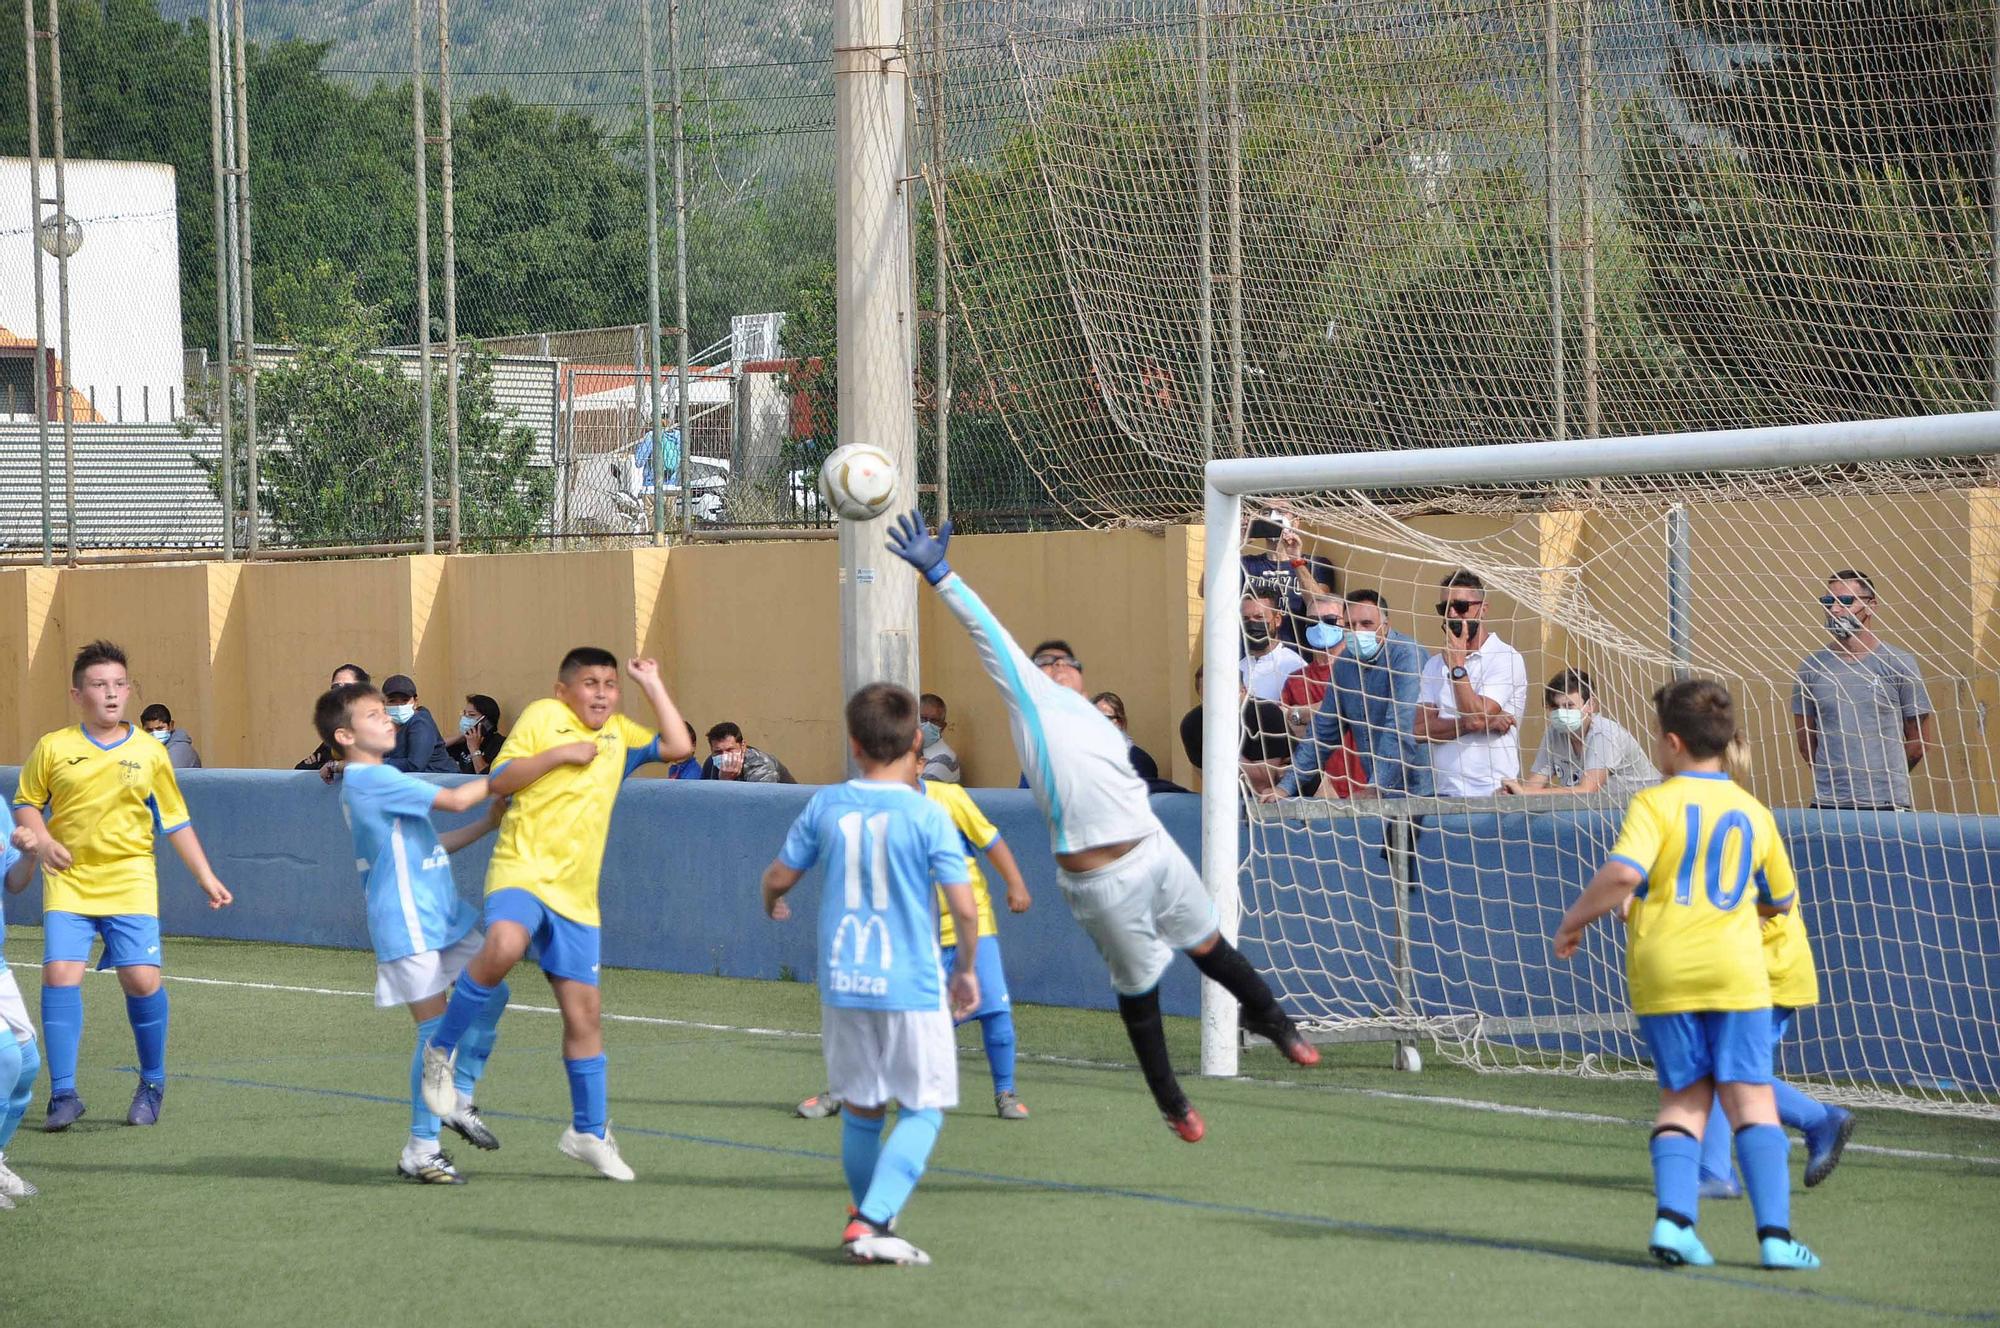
x=854, y=983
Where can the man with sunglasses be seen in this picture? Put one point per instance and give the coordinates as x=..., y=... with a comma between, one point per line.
x=1859, y=709
x=1474, y=692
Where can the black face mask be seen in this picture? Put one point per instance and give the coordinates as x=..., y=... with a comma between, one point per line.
x=1457, y=626
x=1256, y=632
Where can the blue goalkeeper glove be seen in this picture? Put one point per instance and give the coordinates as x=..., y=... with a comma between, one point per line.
x=908, y=541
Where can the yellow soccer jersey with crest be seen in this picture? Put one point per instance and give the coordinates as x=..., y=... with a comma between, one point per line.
x=105, y=803
x=552, y=840
x=1710, y=854
x=978, y=834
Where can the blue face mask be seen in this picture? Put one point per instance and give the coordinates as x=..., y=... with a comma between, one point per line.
x=1325, y=635
x=932, y=733
x=1367, y=644
x=467, y=723
x=402, y=714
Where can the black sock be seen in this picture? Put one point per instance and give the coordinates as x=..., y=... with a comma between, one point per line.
x=1225, y=966
x=1149, y=1040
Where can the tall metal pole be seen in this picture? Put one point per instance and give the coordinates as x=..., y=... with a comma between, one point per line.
x=878, y=592
x=450, y=272
x=222, y=165
x=418, y=140
x=1551, y=75
x=682, y=423
x=247, y=314
x=229, y=178
x=940, y=273
x=1680, y=585
x=1205, y=239
x=1586, y=146
x=1993, y=203
x=1233, y=150
x=653, y=283
x=41, y=293
x=62, y=282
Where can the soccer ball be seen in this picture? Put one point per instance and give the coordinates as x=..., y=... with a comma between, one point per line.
x=858, y=481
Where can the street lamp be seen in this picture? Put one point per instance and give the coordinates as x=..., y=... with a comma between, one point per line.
x=60, y=235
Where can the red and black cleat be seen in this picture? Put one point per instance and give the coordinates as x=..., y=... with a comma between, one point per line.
x=1188, y=1125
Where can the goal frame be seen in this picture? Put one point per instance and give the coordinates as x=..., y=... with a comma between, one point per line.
x=1229, y=482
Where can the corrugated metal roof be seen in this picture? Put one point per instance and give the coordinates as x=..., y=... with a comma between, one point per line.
x=525, y=385
x=137, y=486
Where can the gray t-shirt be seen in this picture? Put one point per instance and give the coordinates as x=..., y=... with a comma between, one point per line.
x=1607, y=745
x=1856, y=708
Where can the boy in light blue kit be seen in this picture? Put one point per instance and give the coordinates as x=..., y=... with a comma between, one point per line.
x=19, y=1060
x=885, y=1026
x=422, y=930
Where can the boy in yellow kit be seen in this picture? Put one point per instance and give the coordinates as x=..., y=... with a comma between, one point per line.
x=108, y=790
x=562, y=766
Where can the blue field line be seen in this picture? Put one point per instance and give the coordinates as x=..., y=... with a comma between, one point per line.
x=1420, y=1235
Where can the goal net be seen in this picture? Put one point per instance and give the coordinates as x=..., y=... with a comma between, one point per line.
x=1417, y=905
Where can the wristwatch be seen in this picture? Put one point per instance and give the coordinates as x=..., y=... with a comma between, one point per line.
x=1459, y=674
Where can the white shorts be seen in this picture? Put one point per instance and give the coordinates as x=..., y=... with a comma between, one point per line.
x=425, y=974
x=1140, y=909
x=874, y=1057
x=13, y=1010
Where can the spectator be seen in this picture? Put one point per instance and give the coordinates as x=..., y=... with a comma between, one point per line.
x=1859, y=709
x=1112, y=707
x=157, y=720
x=1475, y=691
x=729, y=757
x=322, y=756
x=1284, y=574
x=479, y=738
x=940, y=761
x=1326, y=641
x=1267, y=661
x=1262, y=724
x=419, y=748
x=1372, y=703
x=690, y=766
x=1583, y=751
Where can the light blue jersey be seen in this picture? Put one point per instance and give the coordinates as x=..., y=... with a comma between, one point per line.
x=413, y=903
x=883, y=845
x=9, y=855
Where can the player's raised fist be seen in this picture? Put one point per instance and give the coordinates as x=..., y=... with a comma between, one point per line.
x=643, y=670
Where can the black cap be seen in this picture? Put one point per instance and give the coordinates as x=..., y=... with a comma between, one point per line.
x=399, y=684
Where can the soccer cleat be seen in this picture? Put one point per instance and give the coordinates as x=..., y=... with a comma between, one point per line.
x=440, y=1089
x=1781, y=1252
x=145, y=1108
x=65, y=1110
x=5, y=1203
x=13, y=1186
x=596, y=1152
x=1188, y=1125
x=818, y=1107
x=864, y=1242
x=428, y=1168
x=1010, y=1107
x=1825, y=1145
x=1720, y=1187
x=854, y=1215
x=465, y=1122
x=1674, y=1245
x=1284, y=1035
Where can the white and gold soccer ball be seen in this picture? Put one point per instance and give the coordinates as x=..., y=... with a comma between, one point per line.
x=858, y=481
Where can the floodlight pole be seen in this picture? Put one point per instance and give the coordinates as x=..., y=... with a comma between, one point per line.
x=419, y=140
x=247, y=310
x=450, y=274
x=62, y=283
x=652, y=360
x=41, y=295
x=878, y=592
x=681, y=420
x=222, y=165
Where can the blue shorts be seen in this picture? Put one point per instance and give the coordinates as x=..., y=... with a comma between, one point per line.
x=993, y=997
x=130, y=939
x=1728, y=1046
x=564, y=948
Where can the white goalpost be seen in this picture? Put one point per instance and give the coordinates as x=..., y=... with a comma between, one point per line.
x=1424, y=920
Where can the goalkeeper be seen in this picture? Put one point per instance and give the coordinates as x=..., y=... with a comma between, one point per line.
x=1129, y=885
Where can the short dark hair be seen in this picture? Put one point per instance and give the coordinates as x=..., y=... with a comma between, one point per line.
x=585, y=657
x=1700, y=713
x=1569, y=680
x=1368, y=597
x=97, y=652
x=360, y=674
x=335, y=709
x=1054, y=643
x=156, y=711
x=728, y=728
x=932, y=698
x=1858, y=578
x=488, y=708
x=1463, y=579
x=882, y=720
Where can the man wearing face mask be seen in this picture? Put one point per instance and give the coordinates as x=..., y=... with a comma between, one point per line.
x=419, y=748
x=940, y=761
x=1475, y=691
x=1583, y=751
x=1372, y=703
x=157, y=720
x=1326, y=641
x=1859, y=709
x=1267, y=661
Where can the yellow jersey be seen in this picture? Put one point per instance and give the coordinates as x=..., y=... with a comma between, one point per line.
x=1710, y=854
x=978, y=834
x=104, y=803
x=552, y=839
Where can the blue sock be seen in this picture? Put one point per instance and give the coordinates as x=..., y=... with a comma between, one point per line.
x=1796, y=1109
x=901, y=1163
x=589, y=1104
x=423, y=1121
x=860, y=1146
x=1715, y=1159
x=148, y=1015
x=62, y=1028
x=1677, y=1174
x=10, y=1071
x=16, y=1105
x=477, y=1044
x=468, y=1000
x=1761, y=1152
x=997, y=1030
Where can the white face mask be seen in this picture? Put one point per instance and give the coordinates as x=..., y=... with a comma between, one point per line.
x=161, y=734
x=402, y=714
x=1366, y=644
x=1566, y=720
